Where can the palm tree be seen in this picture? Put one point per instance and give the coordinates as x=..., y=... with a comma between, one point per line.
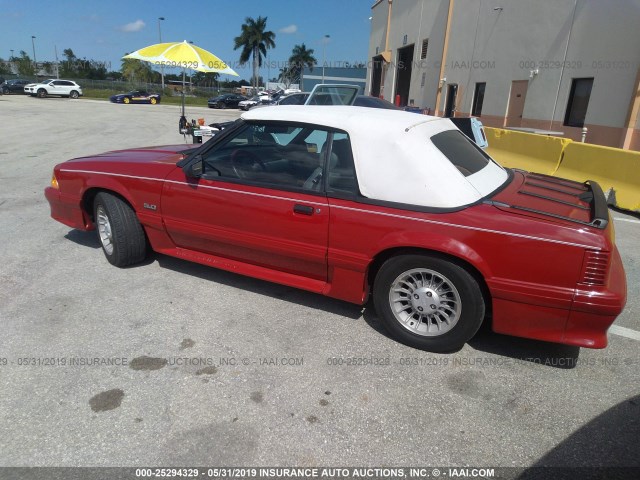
x=136, y=71
x=300, y=58
x=285, y=76
x=254, y=41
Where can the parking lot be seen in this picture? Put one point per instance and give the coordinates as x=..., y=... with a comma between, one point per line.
x=173, y=363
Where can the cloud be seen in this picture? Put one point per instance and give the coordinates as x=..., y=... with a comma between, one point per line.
x=293, y=28
x=132, y=27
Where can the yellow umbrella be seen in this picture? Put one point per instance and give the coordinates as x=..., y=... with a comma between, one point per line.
x=182, y=55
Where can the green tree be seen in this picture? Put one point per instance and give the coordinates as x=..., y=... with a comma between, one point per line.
x=254, y=40
x=68, y=67
x=136, y=70
x=300, y=57
x=25, y=65
x=5, y=68
x=285, y=76
x=203, y=79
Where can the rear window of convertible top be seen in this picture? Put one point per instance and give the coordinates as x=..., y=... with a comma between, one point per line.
x=461, y=151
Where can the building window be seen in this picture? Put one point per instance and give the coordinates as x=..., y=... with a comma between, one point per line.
x=478, y=99
x=578, y=102
x=425, y=47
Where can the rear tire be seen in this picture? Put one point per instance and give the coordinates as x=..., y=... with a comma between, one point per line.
x=119, y=231
x=428, y=302
x=74, y=94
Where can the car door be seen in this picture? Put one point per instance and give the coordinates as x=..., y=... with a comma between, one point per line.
x=255, y=201
x=55, y=88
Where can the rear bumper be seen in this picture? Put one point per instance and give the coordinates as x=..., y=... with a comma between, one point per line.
x=583, y=322
x=593, y=311
x=67, y=210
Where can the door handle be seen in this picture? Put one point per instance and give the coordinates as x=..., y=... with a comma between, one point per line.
x=303, y=209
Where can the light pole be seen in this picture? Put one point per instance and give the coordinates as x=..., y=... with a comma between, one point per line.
x=190, y=74
x=35, y=62
x=325, y=39
x=160, y=37
x=11, y=50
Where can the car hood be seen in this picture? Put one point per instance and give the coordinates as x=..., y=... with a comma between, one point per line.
x=141, y=163
x=161, y=154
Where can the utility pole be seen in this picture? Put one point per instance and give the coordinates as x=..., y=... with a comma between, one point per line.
x=325, y=39
x=35, y=62
x=57, y=63
x=160, y=37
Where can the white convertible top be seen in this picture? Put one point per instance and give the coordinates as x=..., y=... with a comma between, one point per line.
x=394, y=157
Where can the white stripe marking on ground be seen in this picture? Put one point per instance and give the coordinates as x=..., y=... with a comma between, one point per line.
x=626, y=220
x=625, y=332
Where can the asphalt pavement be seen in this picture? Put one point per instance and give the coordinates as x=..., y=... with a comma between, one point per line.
x=172, y=363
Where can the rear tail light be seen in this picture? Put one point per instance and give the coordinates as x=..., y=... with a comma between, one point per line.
x=595, y=267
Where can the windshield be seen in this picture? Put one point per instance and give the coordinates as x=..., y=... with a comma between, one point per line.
x=334, y=94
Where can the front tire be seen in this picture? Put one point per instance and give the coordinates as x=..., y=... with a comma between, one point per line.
x=153, y=101
x=126, y=100
x=42, y=93
x=222, y=105
x=428, y=302
x=119, y=231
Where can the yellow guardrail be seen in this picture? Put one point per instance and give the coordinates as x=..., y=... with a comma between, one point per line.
x=534, y=153
x=616, y=170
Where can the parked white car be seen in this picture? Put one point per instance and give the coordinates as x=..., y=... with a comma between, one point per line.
x=57, y=87
x=247, y=104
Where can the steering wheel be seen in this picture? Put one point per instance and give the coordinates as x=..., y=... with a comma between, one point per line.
x=244, y=162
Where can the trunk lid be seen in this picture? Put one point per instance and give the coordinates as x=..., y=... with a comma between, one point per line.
x=553, y=198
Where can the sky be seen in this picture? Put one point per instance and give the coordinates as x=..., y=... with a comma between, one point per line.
x=107, y=30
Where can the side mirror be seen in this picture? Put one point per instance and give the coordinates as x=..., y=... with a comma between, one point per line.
x=196, y=168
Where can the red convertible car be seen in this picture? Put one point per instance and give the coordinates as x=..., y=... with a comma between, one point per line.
x=355, y=202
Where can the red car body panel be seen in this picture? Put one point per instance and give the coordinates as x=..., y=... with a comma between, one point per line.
x=532, y=265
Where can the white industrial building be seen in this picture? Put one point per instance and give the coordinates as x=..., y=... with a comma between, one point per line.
x=557, y=65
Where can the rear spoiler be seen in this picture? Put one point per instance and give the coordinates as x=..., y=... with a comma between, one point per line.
x=591, y=193
x=597, y=200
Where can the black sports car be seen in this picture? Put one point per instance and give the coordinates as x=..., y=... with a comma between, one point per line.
x=136, y=96
x=228, y=100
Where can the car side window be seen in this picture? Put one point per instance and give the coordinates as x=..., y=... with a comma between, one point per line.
x=270, y=155
x=342, y=171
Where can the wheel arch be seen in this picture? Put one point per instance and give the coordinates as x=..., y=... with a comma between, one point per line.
x=89, y=196
x=381, y=257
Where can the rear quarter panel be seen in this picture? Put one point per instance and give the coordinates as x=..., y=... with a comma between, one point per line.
x=530, y=266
